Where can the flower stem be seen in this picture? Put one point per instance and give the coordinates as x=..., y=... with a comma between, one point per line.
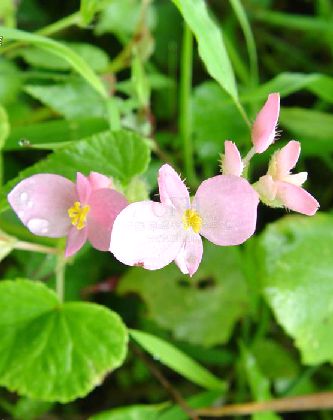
x=249, y=156
x=61, y=24
x=60, y=277
x=243, y=114
x=29, y=246
x=185, y=122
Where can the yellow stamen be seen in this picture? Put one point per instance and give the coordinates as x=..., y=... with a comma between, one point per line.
x=192, y=219
x=78, y=215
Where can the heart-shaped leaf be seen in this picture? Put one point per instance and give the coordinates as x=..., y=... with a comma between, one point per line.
x=296, y=254
x=55, y=351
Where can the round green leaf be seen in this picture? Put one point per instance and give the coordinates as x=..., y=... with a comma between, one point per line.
x=121, y=154
x=296, y=254
x=202, y=310
x=55, y=351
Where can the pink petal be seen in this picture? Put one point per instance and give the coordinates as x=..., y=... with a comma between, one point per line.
x=190, y=255
x=105, y=205
x=286, y=158
x=98, y=181
x=263, y=130
x=297, y=199
x=172, y=189
x=231, y=161
x=42, y=202
x=228, y=207
x=83, y=188
x=75, y=241
x=147, y=234
x=297, y=179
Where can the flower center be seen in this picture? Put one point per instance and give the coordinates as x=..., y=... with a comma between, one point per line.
x=192, y=219
x=78, y=215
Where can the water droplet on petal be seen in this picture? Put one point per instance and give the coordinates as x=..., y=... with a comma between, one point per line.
x=38, y=226
x=30, y=204
x=24, y=197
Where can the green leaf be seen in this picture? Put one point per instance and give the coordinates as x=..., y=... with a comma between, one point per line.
x=55, y=132
x=74, y=99
x=313, y=128
x=88, y=9
x=28, y=409
x=10, y=81
x=249, y=38
x=210, y=43
x=274, y=360
x=177, y=360
x=121, y=17
x=214, y=120
x=60, y=50
x=4, y=126
x=201, y=311
x=133, y=412
x=297, y=22
x=288, y=83
x=204, y=399
x=55, y=351
x=96, y=57
x=296, y=255
x=120, y=154
x=258, y=384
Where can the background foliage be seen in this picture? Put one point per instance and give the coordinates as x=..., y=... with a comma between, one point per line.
x=106, y=86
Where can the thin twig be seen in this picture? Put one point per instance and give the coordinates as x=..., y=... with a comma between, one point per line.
x=319, y=401
x=176, y=396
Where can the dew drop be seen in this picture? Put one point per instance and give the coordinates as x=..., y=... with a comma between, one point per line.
x=24, y=197
x=24, y=143
x=38, y=226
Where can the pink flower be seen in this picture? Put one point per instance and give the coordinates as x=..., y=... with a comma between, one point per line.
x=264, y=127
x=231, y=161
x=152, y=234
x=281, y=188
x=51, y=205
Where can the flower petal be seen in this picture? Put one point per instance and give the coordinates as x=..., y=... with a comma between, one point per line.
x=83, y=188
x=42, y=202
x=173, y=191
x=263, y=130
x=296, y=179
x=296, y=198
x=105, y=205
x=98, y=181
x=228, y=207
x=147, y=234
x=75, y=241
x=231, y=161
x=286, y=158
x=190, y=255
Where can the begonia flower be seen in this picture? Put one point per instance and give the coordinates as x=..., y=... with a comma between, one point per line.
x=280, y=188
x=264, y=127
x=231, y=160
x=152, y=234
x=51, y=205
